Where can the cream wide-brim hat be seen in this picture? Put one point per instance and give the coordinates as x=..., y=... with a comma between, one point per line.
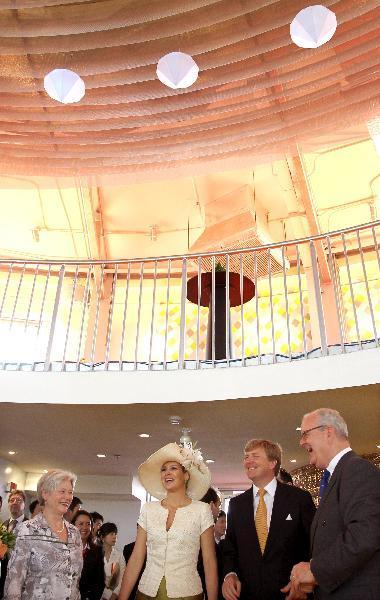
x=150, y=471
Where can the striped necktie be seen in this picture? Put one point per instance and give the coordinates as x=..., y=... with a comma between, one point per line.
x=261, y=521
x=12, y=525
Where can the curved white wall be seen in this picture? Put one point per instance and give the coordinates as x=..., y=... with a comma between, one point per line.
x=354, y=369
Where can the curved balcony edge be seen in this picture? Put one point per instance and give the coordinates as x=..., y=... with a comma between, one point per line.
x=324, y=373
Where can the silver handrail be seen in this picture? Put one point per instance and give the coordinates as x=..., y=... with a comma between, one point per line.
x=267, y=304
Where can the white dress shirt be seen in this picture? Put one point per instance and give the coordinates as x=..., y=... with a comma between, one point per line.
x=334, y=461
x=116, y=559
x=270, y=489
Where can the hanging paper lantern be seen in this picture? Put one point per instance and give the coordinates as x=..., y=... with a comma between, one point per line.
x=313, y=26
x=177, y=70
x=374, y=132
x=64, y=86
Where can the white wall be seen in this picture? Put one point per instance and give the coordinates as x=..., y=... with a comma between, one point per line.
x=122, y=512
x=339, y=371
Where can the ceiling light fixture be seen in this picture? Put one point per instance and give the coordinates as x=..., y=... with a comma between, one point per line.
x=298, y=428
x=293, y=460
x=11, y=452
x=374, y=131
x=101, y=455
x=8, y=470
x=209, y=460
x=177, y=70
x=144, y=435
x=378, y=446
x=45, y=471
x=64, y=85
x=313, y=26
x=175, y=419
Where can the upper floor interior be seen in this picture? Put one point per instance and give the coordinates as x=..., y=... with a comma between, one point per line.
x=272, y=144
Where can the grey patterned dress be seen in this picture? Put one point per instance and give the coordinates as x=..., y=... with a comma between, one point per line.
x=41, y=566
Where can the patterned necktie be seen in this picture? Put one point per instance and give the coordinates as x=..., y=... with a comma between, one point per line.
x=12, y=525
x=324, y=482
x=261, y=521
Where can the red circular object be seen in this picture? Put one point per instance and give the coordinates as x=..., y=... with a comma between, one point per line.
x=220, y=281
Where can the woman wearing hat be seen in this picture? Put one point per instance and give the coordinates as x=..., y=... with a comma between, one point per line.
x=171, y=531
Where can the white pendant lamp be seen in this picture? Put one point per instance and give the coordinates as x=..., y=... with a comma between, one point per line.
x=313, y=26
x=177, y=70
x=374, y=131
x=64, y=86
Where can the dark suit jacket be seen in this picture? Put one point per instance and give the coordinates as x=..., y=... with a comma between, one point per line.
x=92, y=580
x=262, y=576
x=4, y=564
x=345, y=534
x=127, y=551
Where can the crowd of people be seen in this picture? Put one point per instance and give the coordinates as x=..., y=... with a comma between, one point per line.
x=273, y=543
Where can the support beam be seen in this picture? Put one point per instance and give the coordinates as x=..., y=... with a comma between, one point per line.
x=302, y=188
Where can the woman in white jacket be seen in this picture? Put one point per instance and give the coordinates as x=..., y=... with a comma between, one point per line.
x=114, y=563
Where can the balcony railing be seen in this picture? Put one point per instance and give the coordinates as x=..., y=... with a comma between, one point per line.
x=280, y=302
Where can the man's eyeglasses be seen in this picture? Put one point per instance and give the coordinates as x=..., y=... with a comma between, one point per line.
x=305, y=433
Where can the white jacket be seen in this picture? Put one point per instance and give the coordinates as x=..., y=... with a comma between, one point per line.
x=173, y=554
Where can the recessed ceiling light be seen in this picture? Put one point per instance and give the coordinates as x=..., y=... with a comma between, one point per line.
x=293, y=460
x=144, y=435
x=101, y=455
x=209, y=460
x=298, y=428
x=11, y=452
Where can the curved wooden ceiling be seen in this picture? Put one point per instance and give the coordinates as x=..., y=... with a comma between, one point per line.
x=256, y=97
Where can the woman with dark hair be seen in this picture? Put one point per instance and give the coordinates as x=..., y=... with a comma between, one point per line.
x=91, y=583
x=114, y=563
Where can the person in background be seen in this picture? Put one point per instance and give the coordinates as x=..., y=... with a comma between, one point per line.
x=220, y=527
x=73, y=509
x=92, y=580
x=345, y=533
x=171, y=531
x=47, y=560
x=114, y=563
x=212, y=498
x=219, y=534
x=285, y=477
x=16, y=506
x=34, y=508
x=97, y=522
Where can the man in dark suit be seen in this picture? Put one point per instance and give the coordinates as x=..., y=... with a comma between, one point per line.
x=345, y=534
x=16, y=505
x=267, y=529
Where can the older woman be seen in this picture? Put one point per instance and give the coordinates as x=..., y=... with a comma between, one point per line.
x=47, y=559
x=172, y=531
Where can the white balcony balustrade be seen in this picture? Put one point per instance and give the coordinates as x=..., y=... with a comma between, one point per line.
x=247, y=307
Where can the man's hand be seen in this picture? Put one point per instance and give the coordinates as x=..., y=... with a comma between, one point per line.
x=231, y=587
x=302, y=582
